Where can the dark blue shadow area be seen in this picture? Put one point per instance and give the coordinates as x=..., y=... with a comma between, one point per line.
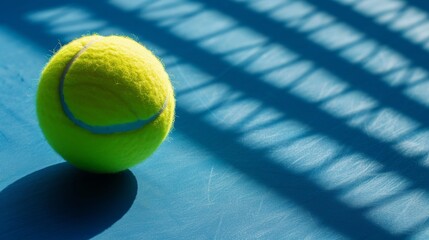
x=254, y=162
x=61, y=202
x=424, y=5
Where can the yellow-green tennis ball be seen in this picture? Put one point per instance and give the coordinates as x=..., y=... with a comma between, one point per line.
x=105, y=103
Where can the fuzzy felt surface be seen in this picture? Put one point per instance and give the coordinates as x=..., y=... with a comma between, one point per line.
x=114, y=81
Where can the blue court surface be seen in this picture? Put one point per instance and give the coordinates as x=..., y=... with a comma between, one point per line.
x=295, y=119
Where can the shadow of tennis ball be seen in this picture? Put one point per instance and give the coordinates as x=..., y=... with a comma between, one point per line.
x=61, y=202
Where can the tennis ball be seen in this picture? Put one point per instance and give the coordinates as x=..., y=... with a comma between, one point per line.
x=105, y=103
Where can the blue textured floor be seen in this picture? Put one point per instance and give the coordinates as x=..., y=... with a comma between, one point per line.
x=295, y=120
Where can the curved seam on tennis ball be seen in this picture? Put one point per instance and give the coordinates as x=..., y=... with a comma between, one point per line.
x=115, y=128
x=118, y=97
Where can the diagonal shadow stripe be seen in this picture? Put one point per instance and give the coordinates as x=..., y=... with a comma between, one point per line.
x=424, y=5
x=353, y=74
